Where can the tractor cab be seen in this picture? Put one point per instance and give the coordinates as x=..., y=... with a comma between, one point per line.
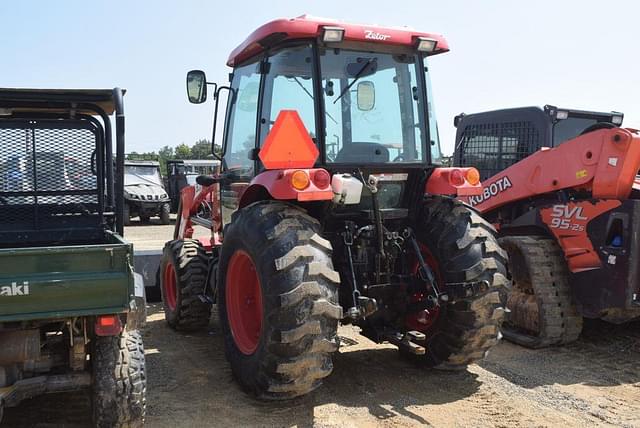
x=493, y=141
x=361, y=95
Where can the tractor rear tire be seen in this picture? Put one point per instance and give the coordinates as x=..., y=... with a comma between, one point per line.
x=540, y=282
x=465, y=249
x=183, y=278
x=278, y=300
x=119, y=381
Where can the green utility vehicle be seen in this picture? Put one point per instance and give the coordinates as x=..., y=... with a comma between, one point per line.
x=70, y=304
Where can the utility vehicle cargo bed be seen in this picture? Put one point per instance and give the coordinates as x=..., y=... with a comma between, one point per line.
x=65, y=281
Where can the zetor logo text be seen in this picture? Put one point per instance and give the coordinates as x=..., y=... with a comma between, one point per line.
x=15, y=290
x=373, y=35
x=490, y=191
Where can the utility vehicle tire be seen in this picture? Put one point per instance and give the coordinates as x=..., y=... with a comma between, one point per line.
x=465, y=249
x=127, y=214
x=542, y=311
x=278, y=300
x=119, y=381
x=183, y=277
x=165, y=210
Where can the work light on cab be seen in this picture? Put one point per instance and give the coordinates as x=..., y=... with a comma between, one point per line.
x=425, y=44
x=332, y=34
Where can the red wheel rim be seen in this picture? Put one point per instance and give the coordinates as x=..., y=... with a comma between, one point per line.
x=244, y=302
x=169, y=285
x=418, y=321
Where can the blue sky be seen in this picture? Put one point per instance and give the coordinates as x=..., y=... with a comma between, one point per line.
x=582, y=54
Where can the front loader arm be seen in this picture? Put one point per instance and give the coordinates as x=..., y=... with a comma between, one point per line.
x=604, y=162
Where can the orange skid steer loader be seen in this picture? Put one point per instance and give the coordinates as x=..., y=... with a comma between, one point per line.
x=560, y=186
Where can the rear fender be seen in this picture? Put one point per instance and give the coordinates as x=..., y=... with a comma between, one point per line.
x=440, y=183
x=276, y=184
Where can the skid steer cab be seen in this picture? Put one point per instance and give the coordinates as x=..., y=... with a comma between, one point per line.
x=330, y=208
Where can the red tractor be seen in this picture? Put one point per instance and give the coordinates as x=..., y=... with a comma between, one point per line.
x=560, y=186
x=329, y=209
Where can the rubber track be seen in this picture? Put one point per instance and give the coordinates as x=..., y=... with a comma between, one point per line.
x=548, y=274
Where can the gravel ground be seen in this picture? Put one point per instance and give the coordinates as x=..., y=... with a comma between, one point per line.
x=593, y=382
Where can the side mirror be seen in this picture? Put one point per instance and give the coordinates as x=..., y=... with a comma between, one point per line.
x=366, y=96
x=196, y=86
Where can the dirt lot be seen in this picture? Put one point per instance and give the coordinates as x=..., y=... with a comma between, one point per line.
x=594, y=382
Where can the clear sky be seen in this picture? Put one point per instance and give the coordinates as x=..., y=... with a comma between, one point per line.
x=581, y=54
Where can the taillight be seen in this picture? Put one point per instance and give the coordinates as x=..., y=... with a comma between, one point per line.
x=456, y=177
x=300, y=180
x=473, y=176
x=108, y=325
x=321, y=178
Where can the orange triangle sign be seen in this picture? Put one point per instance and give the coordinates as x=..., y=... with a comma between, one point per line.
x=288, y=144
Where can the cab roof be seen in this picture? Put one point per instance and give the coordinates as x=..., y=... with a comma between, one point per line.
x=306, y=26
x=56, y=100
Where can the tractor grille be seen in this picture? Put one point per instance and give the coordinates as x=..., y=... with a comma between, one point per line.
x=48, y=172
x=492, y=147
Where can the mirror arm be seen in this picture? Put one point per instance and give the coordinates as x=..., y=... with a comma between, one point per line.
x=215, y=89
x=216, y=97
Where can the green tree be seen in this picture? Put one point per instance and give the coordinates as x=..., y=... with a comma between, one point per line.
x=182, y=151
x=201, y=149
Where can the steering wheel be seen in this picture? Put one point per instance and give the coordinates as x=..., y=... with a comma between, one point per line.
x=598, y=126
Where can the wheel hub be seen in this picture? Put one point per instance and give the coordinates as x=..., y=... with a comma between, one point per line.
x=244, y=302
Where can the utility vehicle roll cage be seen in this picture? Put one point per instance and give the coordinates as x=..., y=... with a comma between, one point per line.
x=61, y=119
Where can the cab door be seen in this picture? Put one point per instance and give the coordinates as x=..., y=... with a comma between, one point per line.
x=241, y=130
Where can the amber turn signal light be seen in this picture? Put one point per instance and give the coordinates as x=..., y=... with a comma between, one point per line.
x=300, y=180
x=473, y=176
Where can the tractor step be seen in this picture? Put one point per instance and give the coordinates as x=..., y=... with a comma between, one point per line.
x=407, y=342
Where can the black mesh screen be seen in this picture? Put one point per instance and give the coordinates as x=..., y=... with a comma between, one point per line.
x=49, y=173
x=492, y=147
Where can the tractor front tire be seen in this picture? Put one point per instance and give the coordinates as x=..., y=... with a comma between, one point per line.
x=183, y=278
x=119, y=381
x=278, y=300
x=541, y=309
x=466, y=250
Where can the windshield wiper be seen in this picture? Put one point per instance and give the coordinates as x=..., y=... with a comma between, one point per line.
x=311, y=96
x=356, y=77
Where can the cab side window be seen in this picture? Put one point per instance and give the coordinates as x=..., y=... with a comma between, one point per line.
x=242, y=113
